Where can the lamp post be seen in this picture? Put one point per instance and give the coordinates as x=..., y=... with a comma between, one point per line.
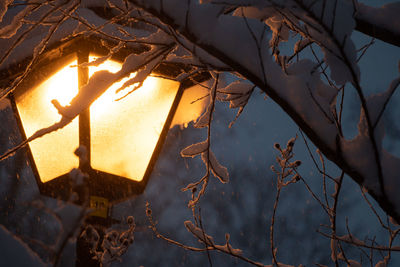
x=122, y=138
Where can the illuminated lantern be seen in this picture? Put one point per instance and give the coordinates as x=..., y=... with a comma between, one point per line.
x=122, y=136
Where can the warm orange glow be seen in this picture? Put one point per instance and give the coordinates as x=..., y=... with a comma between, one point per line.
x=53, y=153
x=192, y=105
x=124, y=138
x=124, y=133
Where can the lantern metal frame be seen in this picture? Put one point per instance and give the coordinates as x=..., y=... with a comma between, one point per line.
x=112, y=187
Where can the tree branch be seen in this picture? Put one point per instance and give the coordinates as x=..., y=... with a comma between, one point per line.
x=370, y=21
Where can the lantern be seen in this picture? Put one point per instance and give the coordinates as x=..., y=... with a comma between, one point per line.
x=122, y=137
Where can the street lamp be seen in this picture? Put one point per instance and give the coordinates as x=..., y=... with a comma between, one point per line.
x=122, y=137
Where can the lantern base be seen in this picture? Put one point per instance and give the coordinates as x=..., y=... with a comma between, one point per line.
x=99, y=185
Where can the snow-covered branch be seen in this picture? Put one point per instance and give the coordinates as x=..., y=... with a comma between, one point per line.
x=297, y=87
x=380, y=22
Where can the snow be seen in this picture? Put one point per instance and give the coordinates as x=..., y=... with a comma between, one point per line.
x=377, y=103
x=217, y=169
x=229, y=249
x=195, y=149
x=204, y=119
x=391, y=170
x=229, y=36
x=386, y=16
x=339, y=50
x=301, y=44
x=309, y=96
x=10, y=29
x=30, y=38
x=338, y=23
x=209, y=241
x=4, y=7
x=237, y=93
x=359, y=152
x=142, y=74
x=13, y=252
x=199, y=233
x=241, y=43
x=98, y=83
x=100, y=60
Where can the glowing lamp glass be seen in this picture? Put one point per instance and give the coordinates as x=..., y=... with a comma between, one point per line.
x=124, y=133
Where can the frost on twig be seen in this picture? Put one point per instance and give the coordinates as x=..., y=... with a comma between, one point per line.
x=209, y=241
x=238, y=94
x=203, y=149
x=11, y=29
x=100, y=60
x=115, y=242
x=195, y=149
x=287, y=174
x=205, y=239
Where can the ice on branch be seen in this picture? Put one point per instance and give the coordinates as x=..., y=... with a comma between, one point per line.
x=204, y=119
x=199, y=233
x=4, y=7
x=377, y=103
x=96, y=86
x=227, y=248
x=300, y=45
x=9, y=30
x=181, y=55
x=217, y=169
x=100, y=60
x=360, y=151
x=335, y=20
x=236, y=88
x=195, y=149
x=141, y=75
x=101, y=81
x=386, y=17
x=327, y=23
x=209, y=241
x=237, y=93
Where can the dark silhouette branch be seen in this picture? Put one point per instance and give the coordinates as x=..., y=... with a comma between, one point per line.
x=374, y=30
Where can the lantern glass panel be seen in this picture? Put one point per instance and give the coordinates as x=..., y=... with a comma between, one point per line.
x=125, y=132
x=53, y=153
